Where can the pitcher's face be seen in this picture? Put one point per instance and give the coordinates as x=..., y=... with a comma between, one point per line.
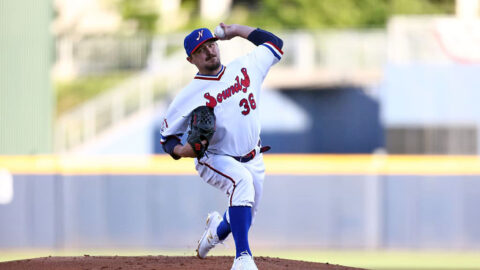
x=206, y=58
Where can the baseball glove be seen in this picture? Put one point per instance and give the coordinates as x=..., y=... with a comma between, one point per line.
x=202, y=127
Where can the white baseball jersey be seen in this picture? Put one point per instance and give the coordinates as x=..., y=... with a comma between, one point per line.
x=234, y=93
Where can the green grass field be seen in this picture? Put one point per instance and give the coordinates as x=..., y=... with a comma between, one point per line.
x=363, y=259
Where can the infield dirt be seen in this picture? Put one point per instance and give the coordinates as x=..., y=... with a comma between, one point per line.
x=159, y=263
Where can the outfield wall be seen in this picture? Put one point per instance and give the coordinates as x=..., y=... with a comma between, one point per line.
x=356, y=201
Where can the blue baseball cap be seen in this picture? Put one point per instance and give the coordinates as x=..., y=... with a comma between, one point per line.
x=196, y=38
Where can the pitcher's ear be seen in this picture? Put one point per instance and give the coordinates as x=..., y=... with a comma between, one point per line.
x=189, y=59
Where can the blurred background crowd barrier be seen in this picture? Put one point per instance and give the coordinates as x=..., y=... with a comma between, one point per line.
x=92, y=80
x=341, y=202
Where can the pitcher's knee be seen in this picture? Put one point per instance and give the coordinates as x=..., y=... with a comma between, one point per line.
x=243, y=193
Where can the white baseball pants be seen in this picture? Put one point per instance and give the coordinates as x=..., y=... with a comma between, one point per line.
x=242, y=182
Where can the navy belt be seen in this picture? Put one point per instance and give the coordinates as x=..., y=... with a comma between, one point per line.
x=251, y=155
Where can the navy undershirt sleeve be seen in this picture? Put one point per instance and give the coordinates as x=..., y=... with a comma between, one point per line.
x=260, y=36
x=169, y=145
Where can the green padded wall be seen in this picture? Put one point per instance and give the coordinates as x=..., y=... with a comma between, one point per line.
x=26, y=97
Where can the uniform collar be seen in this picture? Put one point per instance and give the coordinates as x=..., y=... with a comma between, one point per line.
x=216, y=77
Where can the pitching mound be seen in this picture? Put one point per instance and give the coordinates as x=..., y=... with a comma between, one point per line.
x=158, y=263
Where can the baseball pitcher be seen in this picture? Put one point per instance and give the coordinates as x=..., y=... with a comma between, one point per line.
x=219, y=110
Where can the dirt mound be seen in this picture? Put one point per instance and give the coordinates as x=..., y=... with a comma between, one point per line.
x=158, y=263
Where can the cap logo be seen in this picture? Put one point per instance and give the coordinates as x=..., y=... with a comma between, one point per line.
x=200, y=34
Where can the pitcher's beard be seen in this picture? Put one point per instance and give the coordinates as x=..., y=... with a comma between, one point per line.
x=214, y=66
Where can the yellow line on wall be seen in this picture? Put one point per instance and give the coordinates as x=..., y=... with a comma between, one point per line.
x=161, y=164
x=284, y=164
x=373, y=164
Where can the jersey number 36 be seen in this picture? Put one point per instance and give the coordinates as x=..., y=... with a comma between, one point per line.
x=247, y=104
